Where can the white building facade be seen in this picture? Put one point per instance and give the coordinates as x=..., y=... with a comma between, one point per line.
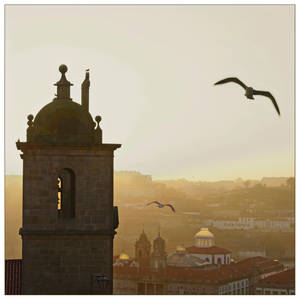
x=249, y=223
x=206, y=249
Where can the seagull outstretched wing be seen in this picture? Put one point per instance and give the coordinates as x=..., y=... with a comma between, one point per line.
x=153, y=202
x=269, y=95
x=232, y=79
x=171, y=207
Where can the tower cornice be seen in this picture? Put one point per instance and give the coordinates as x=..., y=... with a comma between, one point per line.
x=98, y=147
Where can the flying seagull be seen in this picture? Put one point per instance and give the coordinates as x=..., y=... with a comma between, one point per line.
x=161, y=205
x=250, y=92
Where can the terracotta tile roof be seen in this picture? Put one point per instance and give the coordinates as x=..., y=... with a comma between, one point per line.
x=262, y=264
x=282, y=279
x=13, y=277
x=213, y=276
x=210, y=276
x=210, y=250
x=223, y=274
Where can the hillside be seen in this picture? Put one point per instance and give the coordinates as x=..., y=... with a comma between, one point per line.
x=194, y=202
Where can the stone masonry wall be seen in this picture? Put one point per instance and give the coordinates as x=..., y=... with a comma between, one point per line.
x=58, y=265
x=59, y=254
x=93, y=189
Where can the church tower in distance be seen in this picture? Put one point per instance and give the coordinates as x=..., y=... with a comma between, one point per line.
x=143, y=251
x=159, y=255
x=69, y=219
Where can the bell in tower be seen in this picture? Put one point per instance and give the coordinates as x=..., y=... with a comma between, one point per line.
x=69, y=219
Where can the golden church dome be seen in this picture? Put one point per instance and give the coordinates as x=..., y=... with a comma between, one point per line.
x=124, y=256
x=204, y=233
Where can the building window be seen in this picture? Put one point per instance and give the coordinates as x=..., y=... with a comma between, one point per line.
x=66, y=194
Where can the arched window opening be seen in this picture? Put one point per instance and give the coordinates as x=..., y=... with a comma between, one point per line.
x=59, y=194
x=66, y=194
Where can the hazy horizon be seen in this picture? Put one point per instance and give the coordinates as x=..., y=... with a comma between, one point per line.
x=191, y=179
x=152, y=70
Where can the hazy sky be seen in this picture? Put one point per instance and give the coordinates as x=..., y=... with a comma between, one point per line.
x=152, y=70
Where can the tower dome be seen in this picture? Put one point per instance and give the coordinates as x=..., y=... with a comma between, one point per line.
x=158, y=242
x=204, y=239
x=62, y=121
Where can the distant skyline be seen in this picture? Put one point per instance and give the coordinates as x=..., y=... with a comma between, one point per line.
x=152, y=70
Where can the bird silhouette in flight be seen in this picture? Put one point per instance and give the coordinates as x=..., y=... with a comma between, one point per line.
x=87, y=70
x=250, y=92
x=161, y=205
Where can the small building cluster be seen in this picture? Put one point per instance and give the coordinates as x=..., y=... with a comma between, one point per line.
x=200, y=269
x=250, y=223
x=282, y=283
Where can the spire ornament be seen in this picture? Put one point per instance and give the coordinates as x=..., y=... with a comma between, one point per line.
x=63, y=85
x=98, y=131
x=85, y=91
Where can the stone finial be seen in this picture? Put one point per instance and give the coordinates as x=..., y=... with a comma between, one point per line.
x=98, y=119
x=98, y=131
x=63, y=68
x=30, y=128
x=63, y=85
x=30, y=120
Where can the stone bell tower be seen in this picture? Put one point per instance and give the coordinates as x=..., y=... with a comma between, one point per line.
x=159, y=255
x=143, y=251
x=69, y=219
